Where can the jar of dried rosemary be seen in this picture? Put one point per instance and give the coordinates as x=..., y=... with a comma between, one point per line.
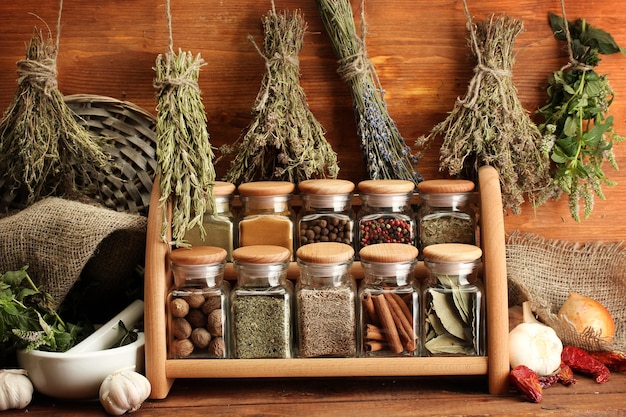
x=386, y=215
x=198, y=306
x=326, y=214
x=453, y=315
x=389, y=301
x=266, y=215
x=262, y=303
x=326, y=301
x=446, y=214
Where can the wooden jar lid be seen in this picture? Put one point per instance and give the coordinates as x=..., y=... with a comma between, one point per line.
x=388, y=253
x=223, y=188
x=325, y=253
x=197, y=255
x=261, y=254
x=325, y=186
x=445, y=186
x=265, y=188
x=386, y=186
x=452, y=252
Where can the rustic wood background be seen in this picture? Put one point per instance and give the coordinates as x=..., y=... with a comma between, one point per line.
x=418, y=48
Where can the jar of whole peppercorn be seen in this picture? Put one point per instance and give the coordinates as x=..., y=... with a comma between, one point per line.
x=198, y=307
x=326, y=214
x=386, y=215
x=446, y=214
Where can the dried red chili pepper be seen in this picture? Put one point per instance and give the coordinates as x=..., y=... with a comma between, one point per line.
x=563, y=375
x=527, y=382
x=580, y=360
x=615, y=361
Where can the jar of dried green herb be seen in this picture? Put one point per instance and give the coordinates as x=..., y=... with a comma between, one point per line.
x=198, y=306
x=446, y=214
x=262, y=303
x=453, y=314
x=389, y=301
x=326, y=322
x=386, y=215
x=326, y=214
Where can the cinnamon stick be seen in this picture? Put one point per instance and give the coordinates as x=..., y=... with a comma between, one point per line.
x=374, y=346
x=387, y=324
x=374, y=333
x=370, y=310
x=405, y=330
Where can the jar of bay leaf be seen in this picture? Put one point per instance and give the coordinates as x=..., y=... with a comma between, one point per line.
x=453, y=314
x=266, y=215
x=446, y=214
x=198, y=307
x=326, y=322
x=386, y=215
x=389, y=301
x=219, y=225
x=262, y=303
x=326, y=214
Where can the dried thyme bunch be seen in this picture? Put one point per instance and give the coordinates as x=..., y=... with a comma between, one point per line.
x=284, y=141
x=184, y=153
x=489, y=126
x=44, y=151
x=386, y=154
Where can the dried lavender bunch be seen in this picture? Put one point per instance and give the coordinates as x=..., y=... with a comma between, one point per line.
x=489, y=126
x=385, y=151
x=44, y=151
x=284, y=141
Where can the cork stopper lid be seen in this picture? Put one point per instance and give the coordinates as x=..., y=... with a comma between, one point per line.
x=223, y=188
x=265, y=188
x=388, y=253
x=325, y=253
x=197, y=255
x=446, y=186
x=452, y=252
x=261, y=254
x=386, y=186
x=326, y=186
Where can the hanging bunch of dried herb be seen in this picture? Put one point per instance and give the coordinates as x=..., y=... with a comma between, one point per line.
x=284, y=141
x=385, y=152
x=576, y=116
x=184, y=152
x=44, y=151
x=489, y=126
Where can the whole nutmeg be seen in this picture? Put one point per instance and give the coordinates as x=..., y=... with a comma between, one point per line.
x=196, y=318
x=194, y=300
x=181, y=329
x=212, y=302
x=181, y=348
x=200, y=337
x=215, y=322
x=217, y=347
x=179, y=307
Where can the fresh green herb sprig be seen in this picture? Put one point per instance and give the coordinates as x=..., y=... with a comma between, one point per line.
x=576, y=117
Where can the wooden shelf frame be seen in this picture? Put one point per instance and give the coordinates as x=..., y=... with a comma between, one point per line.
x=162, y=372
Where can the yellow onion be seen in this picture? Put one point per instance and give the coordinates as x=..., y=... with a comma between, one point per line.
x=588, y=314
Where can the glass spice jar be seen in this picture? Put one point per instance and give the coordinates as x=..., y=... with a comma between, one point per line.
x=389, y=301
x=198, y=306
x=446, y=214
x=386, y=215
x=326, y=214
x=262, y=303
x=326, y=322
x=453, y=313
x=266, y=215
x=219, y=226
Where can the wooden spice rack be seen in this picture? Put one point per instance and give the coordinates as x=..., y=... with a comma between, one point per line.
x=161, y=371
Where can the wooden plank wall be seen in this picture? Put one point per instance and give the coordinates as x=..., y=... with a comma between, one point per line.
x=418, y=48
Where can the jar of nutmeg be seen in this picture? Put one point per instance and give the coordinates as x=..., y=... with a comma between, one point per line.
x=198, y=306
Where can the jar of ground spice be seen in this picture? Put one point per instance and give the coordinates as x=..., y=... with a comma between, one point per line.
x=326, y=322
x=389, y=301
x=386, y=215
x=326, y=214
x=266, y=215
x=219, y=224
x=262, y=303
x=446, y=214
x=453, y=315
x=198, y=307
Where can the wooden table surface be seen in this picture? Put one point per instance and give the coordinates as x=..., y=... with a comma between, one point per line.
x=426, y=396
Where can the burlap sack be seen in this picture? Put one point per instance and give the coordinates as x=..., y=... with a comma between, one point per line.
x=545, y=272
x=62, y=240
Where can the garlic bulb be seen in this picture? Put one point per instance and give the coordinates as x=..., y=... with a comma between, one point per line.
x=16, y=390
x=124, y=391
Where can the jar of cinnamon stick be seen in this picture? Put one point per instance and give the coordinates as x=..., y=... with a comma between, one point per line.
x=389, y=301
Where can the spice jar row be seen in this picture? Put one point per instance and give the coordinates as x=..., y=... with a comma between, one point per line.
x=325, y=314
x=386, y=214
